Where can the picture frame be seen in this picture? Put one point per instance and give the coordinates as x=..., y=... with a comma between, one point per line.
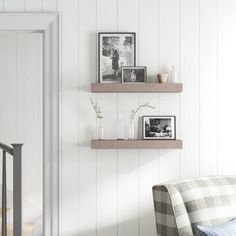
x=115, y=50
x=134, y=74
x=159, y=127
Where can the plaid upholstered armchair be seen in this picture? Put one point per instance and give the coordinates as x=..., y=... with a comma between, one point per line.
x=182, y=205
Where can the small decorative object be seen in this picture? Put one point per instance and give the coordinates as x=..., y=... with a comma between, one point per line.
x=97, y=109
x=162, y=78
x=134, y=74
x=131, y=128
x=158, y=127
x=120, y=127
x=173, y=75
x=114, y=51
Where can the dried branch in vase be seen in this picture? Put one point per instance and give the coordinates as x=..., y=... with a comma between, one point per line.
x=97, y=109
x=135, y=111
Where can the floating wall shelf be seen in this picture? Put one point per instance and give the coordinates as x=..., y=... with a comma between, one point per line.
x=137, y=88
x=136, y=144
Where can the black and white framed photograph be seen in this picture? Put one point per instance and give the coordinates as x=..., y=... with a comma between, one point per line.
x=159, y=127
x=134, y=74
x=115, y=50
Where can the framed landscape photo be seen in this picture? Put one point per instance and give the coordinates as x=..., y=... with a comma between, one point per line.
x=134, y=74
x=159, y=127
x=115, y=50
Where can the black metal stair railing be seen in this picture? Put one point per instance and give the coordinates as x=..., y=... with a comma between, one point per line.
x=17, y=188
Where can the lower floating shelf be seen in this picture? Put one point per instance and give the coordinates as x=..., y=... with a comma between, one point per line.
x=136, y=144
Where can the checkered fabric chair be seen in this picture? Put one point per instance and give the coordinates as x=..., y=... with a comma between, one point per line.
x=182, y=205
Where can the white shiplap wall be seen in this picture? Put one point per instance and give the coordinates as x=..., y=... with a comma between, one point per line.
x=108, y=192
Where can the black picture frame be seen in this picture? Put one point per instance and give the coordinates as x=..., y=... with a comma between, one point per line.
x=159, y=133
x=137, y=80
x=116, y=77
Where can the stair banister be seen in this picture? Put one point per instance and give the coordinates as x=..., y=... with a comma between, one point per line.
x=4, y=194
x=17, y=189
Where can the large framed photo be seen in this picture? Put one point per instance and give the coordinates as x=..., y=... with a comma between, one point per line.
x=115, y=50
x=134, y=74
x=159, y=127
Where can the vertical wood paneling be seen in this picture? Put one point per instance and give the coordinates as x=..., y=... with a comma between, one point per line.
x=128, y=176
x=87, y=120
x=128, y=160
x=1, y=5
x=149, y=160
x=33, y=5
x=149, y=174
x=208, y=87
x=226, y=82
x=29, y=113
x=36, y=56
x=169, y=103
x=69, y=116
x=10, y=95
x=14, y=5
x=190, y=79
x=2, y=91
x=107, y=159
x=50, y=5
x=40, y=118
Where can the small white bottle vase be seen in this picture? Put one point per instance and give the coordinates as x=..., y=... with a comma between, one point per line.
x=100, y=131
x=173, y=75
x=120, y=127
x=131, y=130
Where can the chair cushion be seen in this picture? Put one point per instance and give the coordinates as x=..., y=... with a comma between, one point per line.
x=209, y=201
x=226, y=229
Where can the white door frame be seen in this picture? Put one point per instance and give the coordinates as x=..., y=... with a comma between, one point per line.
x=48, y=24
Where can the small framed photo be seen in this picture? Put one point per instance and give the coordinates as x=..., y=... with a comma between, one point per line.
x=134, y=74
x=114, y=51
x=159, y=127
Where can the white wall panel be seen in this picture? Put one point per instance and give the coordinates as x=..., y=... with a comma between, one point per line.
x=208, y=87
x=29, y=113
x=10, y=94
x=69, y=116
x=87, y=121
x=128, y=160
x=169, y=103
x=226, y=87
x=50, y=5
x=33, y=5
x=149, y=159
x=14, y=5
x=1, y=5
x=190, y=78
x=107, y=159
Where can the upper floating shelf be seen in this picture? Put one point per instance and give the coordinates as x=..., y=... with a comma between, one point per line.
x=137, y=88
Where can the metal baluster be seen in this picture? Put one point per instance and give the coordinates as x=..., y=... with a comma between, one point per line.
x=4, y=195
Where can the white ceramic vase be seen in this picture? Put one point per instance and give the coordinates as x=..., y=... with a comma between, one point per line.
x=131, y=130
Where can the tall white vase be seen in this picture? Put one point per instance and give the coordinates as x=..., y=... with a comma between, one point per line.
x=131, y=130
